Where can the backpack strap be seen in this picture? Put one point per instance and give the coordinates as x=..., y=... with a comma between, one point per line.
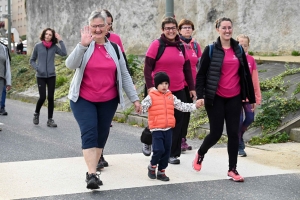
x=211, y=49
x=182, y=48
x=161, y=49
x=195, y=47
x=115, y=46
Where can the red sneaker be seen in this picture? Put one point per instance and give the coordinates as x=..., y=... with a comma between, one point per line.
x=234, y=175
x=197, y=163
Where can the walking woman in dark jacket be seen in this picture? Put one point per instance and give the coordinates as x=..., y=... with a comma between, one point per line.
x=42, y=60
x=222, y=82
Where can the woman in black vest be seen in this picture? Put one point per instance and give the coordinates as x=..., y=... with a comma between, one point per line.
x=222, y=82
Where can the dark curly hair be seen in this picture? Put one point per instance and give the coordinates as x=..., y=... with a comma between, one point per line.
x=53, y=39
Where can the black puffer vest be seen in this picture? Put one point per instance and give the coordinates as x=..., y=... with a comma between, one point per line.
x=214, y=73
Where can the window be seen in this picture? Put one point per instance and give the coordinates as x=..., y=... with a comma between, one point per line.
x=6, y=8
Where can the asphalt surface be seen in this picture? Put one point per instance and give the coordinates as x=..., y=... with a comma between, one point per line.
x=23, y=142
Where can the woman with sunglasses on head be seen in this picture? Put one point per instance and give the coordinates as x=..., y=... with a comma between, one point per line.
x=222, y=82
x=186, y=28
x=175, y=62
x=96, y=89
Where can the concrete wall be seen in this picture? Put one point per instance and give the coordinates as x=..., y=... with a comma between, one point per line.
x=272, y=25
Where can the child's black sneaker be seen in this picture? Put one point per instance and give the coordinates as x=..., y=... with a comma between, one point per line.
x=36, y=118
x=161, y=175
x=93, y=181
x=151, y=171
x=51, y=123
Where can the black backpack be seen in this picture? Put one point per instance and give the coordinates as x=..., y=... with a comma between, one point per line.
x=115, y=46
x=162, y=47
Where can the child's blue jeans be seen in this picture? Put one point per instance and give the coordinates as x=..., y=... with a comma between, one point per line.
x=161, y=147
x=245, y=123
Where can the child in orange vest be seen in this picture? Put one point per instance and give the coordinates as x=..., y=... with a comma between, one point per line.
x=160, y=104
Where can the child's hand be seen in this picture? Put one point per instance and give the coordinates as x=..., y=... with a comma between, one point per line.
x=199, y=103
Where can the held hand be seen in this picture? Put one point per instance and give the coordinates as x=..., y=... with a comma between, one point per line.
x=199, y=103
x=193, y=94
x=137, y=107
x=58, y=37
x=86, y=36
x=8, y=87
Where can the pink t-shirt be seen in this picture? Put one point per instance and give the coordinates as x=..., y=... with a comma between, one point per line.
x=229, y=84
x=99, y=78
x=116, y=39
x=193, y=56
x=251, y=63
x=171, y=62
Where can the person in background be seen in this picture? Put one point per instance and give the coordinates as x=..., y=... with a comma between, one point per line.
x=175, y=62
x=193, y=49
x=42, y=61
x=20, y=47
x=222, y=82
x=94, y=100
x=160, y=104
x=113, y=37
x=5, y=73
x=244, y=41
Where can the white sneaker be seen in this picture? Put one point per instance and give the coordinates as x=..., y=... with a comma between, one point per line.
x=146, y=149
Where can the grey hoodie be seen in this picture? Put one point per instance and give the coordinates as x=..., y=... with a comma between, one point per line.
x=45, y=59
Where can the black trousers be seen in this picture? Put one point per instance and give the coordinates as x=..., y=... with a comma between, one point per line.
x=177, y=130
x=228, y=109
x=187, y=115
x=42, y=83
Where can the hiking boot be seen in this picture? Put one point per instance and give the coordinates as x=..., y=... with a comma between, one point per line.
x=151, y=171
x=103, y=161
x=197, y=163
x=51, y=123
x=146, y=149
x=100, y=166
x=234, y=175
x=99, y=182
x=161, y=175
x=183, y=145
x=36, y=118
x=3, y=111
x=174, y=160
x=93, y=181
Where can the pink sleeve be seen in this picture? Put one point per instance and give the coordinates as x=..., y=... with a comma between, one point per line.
x=152, y=50
x=256, y=86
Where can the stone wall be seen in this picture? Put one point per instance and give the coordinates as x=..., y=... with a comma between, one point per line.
x=272, y=25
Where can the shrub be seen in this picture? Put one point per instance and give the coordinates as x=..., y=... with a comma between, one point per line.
x=295, y=53
x=60, y=80
x=250, y=53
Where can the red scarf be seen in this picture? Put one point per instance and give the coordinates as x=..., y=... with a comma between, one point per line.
x=47, y=44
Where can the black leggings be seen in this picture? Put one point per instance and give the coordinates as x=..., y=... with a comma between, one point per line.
x=228, y=109
x=42, y=83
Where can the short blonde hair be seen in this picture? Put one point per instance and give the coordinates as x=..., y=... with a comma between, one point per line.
x=243, y=36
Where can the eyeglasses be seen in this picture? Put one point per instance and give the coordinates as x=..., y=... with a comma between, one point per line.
x=170, y=28
x=186, y=27
x=99, y=25
x=109, y=24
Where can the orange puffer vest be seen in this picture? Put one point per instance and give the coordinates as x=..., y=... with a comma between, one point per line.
x=161, y=112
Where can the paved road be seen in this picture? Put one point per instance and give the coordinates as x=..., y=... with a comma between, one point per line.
x=37, y=162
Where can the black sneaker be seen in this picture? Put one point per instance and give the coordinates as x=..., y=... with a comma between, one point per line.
x=93, y=181
x=3, y=111
x=36, y=118
x=103, y=161
x=100, y=166
x=51, y=123
x=151, y=172
x=161, y=175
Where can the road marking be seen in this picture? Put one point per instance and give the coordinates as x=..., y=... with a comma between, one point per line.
x=39, y=178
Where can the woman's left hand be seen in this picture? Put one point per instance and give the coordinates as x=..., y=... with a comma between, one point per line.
x=137, y=106
x=58, y=37
x=193, y=94
x=253, y=107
